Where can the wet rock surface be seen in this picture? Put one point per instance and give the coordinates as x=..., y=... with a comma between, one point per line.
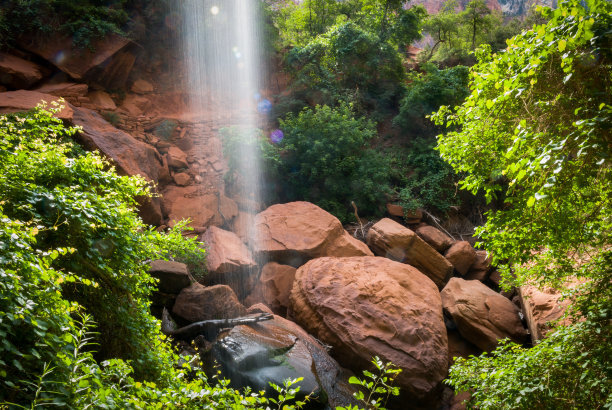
x=367, y=306
x=229, y=261
x=274, y=287
x=278, y=349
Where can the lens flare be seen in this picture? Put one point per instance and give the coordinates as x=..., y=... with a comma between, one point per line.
x=214, y=10
x=264, y=106
x=276, y=136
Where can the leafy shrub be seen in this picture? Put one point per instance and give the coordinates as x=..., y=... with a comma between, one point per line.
x=426, y=92
x=535, y=133
x=84, y=20
x=175, y=247
x=238, y=140
x=347, y=63
x=377, y=386
x=165, y=129
x=325, y=158
x=422, y=179
x=71, y=245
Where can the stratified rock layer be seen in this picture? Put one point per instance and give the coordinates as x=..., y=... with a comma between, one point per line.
x=394, y=241
x=370, y=306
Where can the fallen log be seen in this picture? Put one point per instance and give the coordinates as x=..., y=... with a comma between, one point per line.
x=208, y=328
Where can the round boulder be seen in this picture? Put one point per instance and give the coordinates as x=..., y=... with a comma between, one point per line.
x=372, y=306
x=296, y=232
x=482, y=316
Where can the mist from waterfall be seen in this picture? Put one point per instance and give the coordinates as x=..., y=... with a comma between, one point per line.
x=221, y=52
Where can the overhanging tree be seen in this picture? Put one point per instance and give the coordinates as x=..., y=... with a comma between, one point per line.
x=535, y=135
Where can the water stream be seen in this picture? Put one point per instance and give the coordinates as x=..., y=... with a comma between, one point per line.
x=220, y=46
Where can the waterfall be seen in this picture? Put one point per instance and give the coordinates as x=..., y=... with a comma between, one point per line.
x=220, y=46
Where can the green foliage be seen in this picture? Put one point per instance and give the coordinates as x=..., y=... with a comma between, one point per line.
x=287, y=393
x=427, y=92
x=324, y=158
x=347, y=63
x=84, y=20
x=422, y=178
x=457, y=34
x=165, y=129
x=239, y=140
x=73, y=276
x=377, y=386
x=535, y=135
x=569, y=369
x=176, y=247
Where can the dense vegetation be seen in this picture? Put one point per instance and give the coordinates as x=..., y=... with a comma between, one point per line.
x=84, y=21
x=75, y=323
x=355, y=53
x=535, y=135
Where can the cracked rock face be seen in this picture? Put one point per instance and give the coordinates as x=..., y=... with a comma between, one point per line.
x=482, y=316
x=373, y=306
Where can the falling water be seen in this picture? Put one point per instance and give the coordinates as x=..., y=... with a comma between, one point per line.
x=221, y=53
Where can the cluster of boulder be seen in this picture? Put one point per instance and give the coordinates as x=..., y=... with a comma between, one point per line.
x=416, y=298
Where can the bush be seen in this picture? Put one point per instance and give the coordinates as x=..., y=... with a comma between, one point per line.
x=84, y=20
x=325, y=158
x=73, y=275
x=535, y=134
x=348, y=63
x=422, y=178
x=427, y=92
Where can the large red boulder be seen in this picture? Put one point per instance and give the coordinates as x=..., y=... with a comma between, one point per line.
x=295, y=232
x=191, y=202
x=274, y=287
x=482, y=316
x=435, y=237
x=228, y=261
x=132, y=157
x=22, y=100
x=394, y=241
x=461, y=255
x=16, y=72
x=74, y=61
x=541, y=306
x=481, y=267
x=66, y=90
x=197, y=302
x=371, y=306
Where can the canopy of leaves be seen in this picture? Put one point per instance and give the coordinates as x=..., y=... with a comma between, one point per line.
x=427, y=92
x=455, y=34
x=72, y=250
x=84, y=20
x=535, y=134
x=347, y=63
x=325, y=158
